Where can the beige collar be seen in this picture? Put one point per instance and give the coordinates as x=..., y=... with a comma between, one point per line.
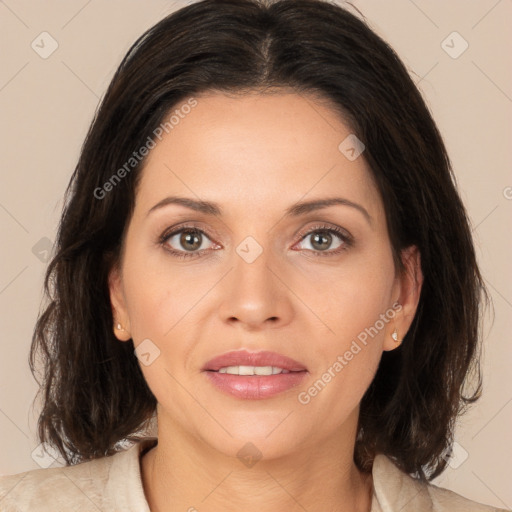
x=395, y=490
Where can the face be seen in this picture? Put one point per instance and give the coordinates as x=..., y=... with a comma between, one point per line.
x=316, y=285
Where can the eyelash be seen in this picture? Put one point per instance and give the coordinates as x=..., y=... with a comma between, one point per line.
x=341, y=234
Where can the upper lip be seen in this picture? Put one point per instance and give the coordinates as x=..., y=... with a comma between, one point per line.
x=246, y=358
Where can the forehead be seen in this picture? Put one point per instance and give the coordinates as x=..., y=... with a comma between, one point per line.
x=253, y=151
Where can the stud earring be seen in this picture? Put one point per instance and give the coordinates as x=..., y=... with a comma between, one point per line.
x=394, y=335
x=119, y=327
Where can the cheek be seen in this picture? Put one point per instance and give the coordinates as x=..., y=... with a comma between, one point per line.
x=346, y=361
x=159, y=307
x=353, y=305
x=148, y=302
x=351, y=296
x=158, y=295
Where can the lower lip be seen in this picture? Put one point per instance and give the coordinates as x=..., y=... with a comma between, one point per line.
x=255, y=387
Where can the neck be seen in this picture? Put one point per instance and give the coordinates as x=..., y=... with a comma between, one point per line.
x=182, y=474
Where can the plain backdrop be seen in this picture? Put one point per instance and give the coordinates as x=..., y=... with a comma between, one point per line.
x=456, y=51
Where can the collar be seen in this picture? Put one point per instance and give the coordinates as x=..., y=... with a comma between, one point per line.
x=124, y=484
x=395, y=490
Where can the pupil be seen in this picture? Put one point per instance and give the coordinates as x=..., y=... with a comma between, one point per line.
x=325, y=237
x=190, y=239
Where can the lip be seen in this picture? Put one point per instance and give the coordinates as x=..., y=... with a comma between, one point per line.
x=246, y=358
x=254, y=387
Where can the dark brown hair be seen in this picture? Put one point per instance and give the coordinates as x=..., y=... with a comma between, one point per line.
x=94, y=395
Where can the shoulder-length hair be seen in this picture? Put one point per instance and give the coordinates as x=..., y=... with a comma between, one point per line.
x=94, y=394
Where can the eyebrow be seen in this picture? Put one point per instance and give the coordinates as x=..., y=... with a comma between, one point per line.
x=296, y=210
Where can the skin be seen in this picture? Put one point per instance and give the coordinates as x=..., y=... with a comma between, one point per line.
x=256, y=155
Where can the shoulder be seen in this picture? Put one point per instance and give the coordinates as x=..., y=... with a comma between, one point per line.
x=395, y=490
x=108, y=484
x=443, y=499
x=76, y=487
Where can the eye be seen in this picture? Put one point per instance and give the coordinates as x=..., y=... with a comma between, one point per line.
x=322, y=238
x=190, y=241
x=185, y=242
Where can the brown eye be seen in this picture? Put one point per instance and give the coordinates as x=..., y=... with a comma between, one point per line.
x=190, y=240
x=185, y=242
x=322, y=240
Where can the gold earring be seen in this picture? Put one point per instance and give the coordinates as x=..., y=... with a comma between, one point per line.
x=394, y=335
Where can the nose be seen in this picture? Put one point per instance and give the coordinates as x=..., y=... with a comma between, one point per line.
x=256, y=294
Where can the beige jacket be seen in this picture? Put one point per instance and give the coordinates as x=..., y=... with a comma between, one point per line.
x=113, y=484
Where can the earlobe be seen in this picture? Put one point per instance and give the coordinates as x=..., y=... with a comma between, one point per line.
x=393, y=335
x=121, y=323
x=410, y=283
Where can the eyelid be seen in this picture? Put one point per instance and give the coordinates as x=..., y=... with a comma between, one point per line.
x=341, y=232
x=183, y=226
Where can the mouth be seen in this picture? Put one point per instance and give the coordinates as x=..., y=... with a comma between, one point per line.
x=254, y=375
x=254, y=370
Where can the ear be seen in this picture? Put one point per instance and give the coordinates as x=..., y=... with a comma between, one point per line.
x=407, y=289
x=118, y=303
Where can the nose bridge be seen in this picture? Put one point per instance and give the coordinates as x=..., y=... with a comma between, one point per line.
x=252, y=275
x=255, y=293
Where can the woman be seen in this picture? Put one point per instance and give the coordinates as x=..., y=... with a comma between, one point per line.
x=263, y=251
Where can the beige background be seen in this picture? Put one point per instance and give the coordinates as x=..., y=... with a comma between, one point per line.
x=47, y=105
